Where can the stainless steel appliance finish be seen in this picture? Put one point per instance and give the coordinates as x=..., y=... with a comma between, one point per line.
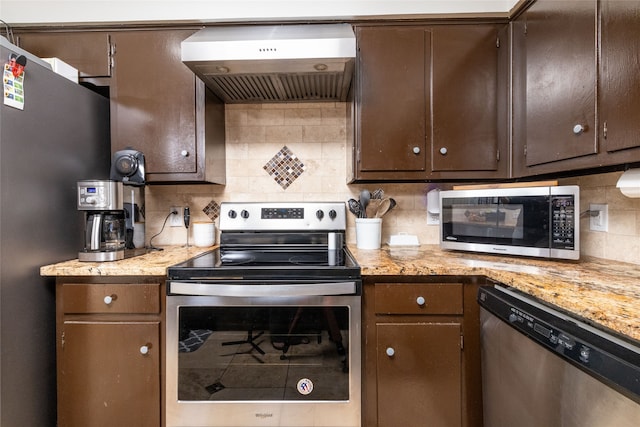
x=266, y=329
x=274, y=63
x=60, y=137
x=530, y=221
x=102, y=202
x=542, y=367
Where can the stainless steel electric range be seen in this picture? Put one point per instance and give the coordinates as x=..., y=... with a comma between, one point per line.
x=265, y=330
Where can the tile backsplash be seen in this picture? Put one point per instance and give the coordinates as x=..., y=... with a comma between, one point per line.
x=315, y=135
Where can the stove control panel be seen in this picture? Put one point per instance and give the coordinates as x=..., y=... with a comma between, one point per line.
x=283, y=216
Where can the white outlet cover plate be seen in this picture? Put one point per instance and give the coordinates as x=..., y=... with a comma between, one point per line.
x=176, y=220
x=601, y=221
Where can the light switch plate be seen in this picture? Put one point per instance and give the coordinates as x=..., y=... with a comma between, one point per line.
x=599, y=222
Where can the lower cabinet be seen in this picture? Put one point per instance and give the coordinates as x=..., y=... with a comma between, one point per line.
x=109, y=352
x=422, y=356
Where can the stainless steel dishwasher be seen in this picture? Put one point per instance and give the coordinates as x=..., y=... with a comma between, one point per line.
x=543, y=367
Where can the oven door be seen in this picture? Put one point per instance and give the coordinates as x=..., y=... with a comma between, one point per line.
x=263, y=355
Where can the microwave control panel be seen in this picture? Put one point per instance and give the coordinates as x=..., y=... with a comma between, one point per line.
x=563, y=220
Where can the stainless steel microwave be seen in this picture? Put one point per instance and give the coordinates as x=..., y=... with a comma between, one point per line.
x=528, y=221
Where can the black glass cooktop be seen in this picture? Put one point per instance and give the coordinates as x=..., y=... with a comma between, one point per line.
x=269, y=262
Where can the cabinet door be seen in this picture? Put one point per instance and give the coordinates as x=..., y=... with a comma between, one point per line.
x=104, y=377
x=88, y=51
x=560, y=59
x=620, y=94
x=469, y=98
x=393, y=102
x=153, y=101
x=419, y=374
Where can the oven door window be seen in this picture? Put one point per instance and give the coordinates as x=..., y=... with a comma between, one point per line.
x=514, y=221
x=247, y=353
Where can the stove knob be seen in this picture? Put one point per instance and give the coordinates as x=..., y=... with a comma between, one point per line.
x=232, y=214
x=333, y=214
x=244, y=214
x=319, y=214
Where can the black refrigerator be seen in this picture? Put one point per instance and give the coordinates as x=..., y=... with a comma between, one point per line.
x=57, y=136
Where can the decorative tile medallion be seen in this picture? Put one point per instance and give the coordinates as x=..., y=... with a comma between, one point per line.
x=212, y=210
x=284, y=167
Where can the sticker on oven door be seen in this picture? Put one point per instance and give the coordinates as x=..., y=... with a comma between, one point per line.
x=305, y=386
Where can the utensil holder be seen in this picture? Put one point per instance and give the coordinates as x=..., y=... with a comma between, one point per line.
x=368, y=233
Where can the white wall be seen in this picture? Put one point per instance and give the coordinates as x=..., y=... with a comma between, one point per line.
x=101, y=11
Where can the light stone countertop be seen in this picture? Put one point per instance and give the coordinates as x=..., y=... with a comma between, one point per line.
x=604, y=292
x=154, y=263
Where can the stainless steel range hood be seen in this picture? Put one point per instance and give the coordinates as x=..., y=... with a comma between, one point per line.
x=275, y=63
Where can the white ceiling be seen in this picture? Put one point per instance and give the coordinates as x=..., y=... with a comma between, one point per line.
x=101, y=11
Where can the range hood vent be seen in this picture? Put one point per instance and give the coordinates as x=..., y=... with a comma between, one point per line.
x=283, y=63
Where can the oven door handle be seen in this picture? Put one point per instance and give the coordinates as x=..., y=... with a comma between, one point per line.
x=271, y=290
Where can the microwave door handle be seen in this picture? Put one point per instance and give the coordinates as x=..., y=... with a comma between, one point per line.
x=270, y=290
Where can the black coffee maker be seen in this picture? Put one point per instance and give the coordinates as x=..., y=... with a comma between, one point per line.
x=104, y=230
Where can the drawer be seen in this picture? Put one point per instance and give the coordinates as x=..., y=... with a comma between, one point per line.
x=111, y=298
x=418, y=298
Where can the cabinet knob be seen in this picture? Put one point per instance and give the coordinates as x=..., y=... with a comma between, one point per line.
x=443, y=150
x=390, y=351
x=145, y=349
x=109, y=299
x=184, y=153
x=578, y=129
x=420, y=301
x=416, y=150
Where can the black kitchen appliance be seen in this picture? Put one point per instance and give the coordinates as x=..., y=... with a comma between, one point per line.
x=59, y=136
x=265, y=329
x=128, y=167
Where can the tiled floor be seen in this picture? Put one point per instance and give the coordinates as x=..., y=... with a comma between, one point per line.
x=239, y=372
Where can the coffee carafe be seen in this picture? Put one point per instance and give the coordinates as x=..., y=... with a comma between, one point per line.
x=104, y=225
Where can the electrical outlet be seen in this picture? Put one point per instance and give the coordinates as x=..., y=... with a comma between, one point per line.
x=599, y=222
x=175, y=220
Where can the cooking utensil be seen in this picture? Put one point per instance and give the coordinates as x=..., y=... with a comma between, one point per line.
x=383, y=207
x=365, y=197
x=392, y=204
x=378, y=193
x=354, y=207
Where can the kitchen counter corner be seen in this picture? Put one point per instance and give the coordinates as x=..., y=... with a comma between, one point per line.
x=600, y=291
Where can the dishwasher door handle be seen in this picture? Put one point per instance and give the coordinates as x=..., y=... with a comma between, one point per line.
x=270, y=290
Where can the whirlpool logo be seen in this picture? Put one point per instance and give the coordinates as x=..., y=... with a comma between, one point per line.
x=263, y=415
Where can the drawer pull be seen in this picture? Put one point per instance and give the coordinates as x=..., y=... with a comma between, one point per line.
x=420, y=301
x=390, y=351
x=145, y=349
x=109, y=299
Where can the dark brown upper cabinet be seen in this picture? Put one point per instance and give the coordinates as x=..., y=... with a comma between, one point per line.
x=620, y=71
x=469, y=127
x=430, y=102
x=158, y=106
x=576, y=86
x=555, y=57
x=88, y=51
x=392, y=102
